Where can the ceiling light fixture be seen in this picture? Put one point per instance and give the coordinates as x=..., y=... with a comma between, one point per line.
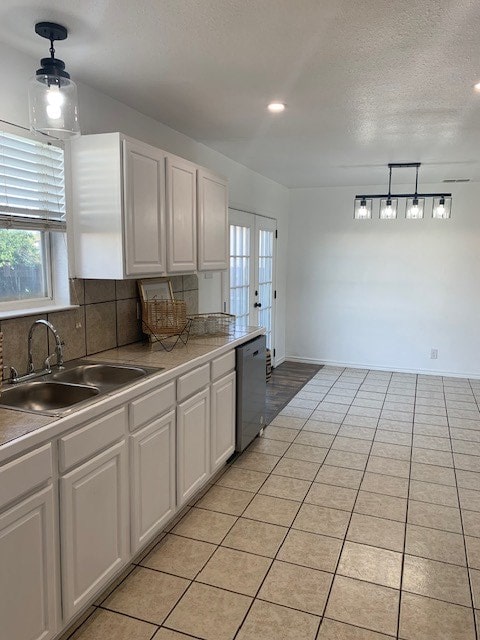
x=415, y=202
x=415, y=205
x=276, y=107
x=52, y=95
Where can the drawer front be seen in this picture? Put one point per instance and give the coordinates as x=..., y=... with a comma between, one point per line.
x=192, y=382
x=223, y=365
x=25, y=474
x=152, y=405
x=89, y=440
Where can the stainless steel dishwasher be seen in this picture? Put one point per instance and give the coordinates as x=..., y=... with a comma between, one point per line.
x=251, y=390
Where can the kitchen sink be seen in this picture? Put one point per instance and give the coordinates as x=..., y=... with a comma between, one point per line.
x=45, y=396
x=100, y=374
x=77, y=382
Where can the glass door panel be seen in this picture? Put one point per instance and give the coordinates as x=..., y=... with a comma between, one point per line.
x=240, y=273
x=265, y=233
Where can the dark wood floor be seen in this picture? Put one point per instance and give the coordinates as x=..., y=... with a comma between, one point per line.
x=286, y=381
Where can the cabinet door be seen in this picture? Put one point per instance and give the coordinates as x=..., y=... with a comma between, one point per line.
x=223, y=421
x=28, y=574
x=153, y=478
x=181, y=215
x=193, y=445
x=144, y=215
x=94, y=526
x=212, y=221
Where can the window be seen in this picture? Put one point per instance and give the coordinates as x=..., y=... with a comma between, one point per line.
x=33, y=264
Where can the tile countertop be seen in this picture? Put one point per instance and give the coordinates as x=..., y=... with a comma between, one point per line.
x=20, y=430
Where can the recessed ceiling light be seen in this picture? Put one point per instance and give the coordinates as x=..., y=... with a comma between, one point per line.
x=278, y=107
x=476, y=87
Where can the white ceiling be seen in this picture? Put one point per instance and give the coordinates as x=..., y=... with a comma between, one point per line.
x=366, y=82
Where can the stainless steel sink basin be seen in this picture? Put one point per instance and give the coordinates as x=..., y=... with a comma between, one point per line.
x=79, y=381
x=45, y=396
x=100, y=374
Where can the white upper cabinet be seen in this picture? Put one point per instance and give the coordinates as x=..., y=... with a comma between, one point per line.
x=144, y=201
x=138, y=211
x=212, y=221
x=181, y=215
x=118, y=196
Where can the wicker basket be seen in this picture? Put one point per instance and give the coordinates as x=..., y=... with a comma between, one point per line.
x=164, y=318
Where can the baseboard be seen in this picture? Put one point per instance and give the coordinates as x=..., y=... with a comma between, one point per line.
x=279, y=361
x=373, y=367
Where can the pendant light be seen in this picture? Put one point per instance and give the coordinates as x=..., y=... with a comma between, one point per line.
x=415, y=209
x=388, y=205
x=52, y=95
x=415, y=205
x=442, y=207
x=363, y=209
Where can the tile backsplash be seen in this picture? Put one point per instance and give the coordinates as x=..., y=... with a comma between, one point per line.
x=105, y=318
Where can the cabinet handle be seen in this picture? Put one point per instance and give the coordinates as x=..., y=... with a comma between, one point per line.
x=257, y=304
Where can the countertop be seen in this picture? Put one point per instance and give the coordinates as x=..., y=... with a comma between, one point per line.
x=21, y=429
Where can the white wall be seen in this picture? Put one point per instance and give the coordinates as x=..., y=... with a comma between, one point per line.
x=101, y=114
x=384, y=293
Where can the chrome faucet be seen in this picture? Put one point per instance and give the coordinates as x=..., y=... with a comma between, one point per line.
x=58, y=347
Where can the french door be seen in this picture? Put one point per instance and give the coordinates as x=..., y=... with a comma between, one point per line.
x=252, y=271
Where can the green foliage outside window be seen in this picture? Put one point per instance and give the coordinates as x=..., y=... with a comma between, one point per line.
x=19, y=248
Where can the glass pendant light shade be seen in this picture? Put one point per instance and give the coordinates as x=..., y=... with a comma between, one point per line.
x=363, y=209
x=388, y=208
x=415, y=208
x=53, y=106
x=442, y=208
x=52, y=95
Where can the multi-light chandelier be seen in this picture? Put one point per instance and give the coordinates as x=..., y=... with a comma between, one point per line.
x=415, y=202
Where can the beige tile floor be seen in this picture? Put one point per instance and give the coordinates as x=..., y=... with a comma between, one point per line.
x=355, y=517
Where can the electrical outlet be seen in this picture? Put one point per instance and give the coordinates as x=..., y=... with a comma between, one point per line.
x=78, y=325
x=433, y=354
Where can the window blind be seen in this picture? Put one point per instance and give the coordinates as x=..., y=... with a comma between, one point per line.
x=32, y=184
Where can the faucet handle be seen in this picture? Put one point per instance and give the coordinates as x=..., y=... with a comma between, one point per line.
x=13, y=373
x=46, y=365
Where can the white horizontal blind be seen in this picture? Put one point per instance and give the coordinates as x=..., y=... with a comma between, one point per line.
x=32, y=184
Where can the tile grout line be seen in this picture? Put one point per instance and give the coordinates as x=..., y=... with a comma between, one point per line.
x=406, y=514
x=463, y=531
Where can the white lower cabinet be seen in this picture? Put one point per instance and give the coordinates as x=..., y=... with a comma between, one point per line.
x=193, y=444
x=94, y=526
x=28, y=570
x=152, y=478
x=223, y=421
x=117, y=480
